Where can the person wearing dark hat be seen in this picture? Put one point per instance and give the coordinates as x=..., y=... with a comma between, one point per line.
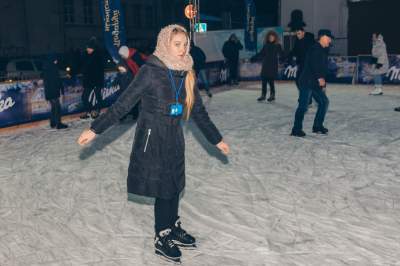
x=199, y=63
x=304, y=41
x=93, y=79
x=52, y=88
x=312, y=82
x=230, y=51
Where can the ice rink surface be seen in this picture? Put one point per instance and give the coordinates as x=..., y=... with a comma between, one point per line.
x=276, y=200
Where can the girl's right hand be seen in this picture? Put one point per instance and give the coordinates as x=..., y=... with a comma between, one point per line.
x=86, y=137
x=223, y=147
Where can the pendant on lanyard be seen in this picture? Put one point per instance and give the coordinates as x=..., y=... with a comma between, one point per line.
x=175, y=109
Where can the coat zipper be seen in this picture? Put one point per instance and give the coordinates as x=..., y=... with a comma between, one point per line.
x=147, y=140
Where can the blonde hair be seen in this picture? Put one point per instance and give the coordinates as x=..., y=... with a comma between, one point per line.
x=190, y=80
x=189, y=85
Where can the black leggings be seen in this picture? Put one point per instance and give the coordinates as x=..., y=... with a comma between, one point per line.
x=165, y=213
x=233, y=70
x=55, y=117
x=271, y=83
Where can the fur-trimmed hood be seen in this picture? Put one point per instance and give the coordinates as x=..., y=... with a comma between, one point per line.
x=163, y=40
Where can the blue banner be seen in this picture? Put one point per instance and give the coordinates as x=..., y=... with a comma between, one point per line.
x=113, y=27
x=25, y=101
x=250, y=31
x=11, y=105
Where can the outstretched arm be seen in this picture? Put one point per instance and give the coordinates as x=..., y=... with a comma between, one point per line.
x=206, y=126
x=125, y=102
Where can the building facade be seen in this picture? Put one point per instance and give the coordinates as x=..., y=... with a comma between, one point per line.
x=34, y=27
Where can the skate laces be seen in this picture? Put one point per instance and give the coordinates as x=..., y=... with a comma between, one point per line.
x=166, y=234
x=178, y=229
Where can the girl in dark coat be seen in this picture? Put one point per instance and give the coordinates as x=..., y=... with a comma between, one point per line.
x=52, y=88
x=269, y=55
x=166, y=87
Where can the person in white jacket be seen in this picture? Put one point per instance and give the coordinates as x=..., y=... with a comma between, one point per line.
x=380, y=62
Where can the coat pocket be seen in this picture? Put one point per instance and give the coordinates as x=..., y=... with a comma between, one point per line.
x=147, y=139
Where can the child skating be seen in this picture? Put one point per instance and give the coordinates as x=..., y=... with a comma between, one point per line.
x=166, y=87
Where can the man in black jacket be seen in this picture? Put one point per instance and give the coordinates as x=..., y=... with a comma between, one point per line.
x=312, y=82
x=52, y=88
x=304, y=41
x=231, y=50
x=199, y=62
x=93, y=79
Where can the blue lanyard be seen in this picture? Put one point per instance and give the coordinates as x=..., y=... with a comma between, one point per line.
x=177, y=90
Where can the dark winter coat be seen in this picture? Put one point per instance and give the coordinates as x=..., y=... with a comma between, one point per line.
x=51, y=80
x=315, y=67
x=93, y=70
x=231, y=50
x=199, y=58
x=157, y=163
x=301, y=47
x=269, y=55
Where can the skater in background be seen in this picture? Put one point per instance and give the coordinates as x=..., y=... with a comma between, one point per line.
x=380, y=62
x=313, y=82
x=93, y=79
x=128, y=69
x=269, y=55
x=230, y=51
x=304, y=41
x=53, y=86
x=133, y=58
x=199, y=60
x=167, y=89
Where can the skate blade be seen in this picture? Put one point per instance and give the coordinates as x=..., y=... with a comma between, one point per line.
x=164, y=257
x=320, y=134
x=185, y=246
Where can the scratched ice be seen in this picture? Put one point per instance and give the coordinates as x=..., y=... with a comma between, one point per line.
x=276, y=200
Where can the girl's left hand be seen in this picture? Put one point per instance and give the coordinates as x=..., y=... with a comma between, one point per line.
x=223, y=147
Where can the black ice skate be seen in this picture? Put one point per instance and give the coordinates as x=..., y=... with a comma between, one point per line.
x=320, y=130
x=166, y=248
x=298, y=133
x=61, y=126
x=261, y=98
x=181, y=238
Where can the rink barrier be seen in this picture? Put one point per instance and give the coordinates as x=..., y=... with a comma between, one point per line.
x=342, y=69
x=24, y=101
